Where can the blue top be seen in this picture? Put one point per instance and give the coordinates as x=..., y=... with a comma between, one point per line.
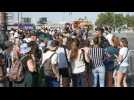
x=112, y=51
x=109, y=61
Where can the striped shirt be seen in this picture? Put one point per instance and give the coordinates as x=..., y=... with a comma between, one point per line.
x=96, y=56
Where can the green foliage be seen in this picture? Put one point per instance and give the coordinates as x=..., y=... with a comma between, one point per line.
x=114, y=20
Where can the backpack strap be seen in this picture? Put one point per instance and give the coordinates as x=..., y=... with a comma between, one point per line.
x=49, y=57
x=22, y=58
x=52, y=55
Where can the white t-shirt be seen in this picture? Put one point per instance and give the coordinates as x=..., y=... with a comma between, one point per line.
x=62, y=62
x=124, y=51
x=109, y=38
x=78, y=66
x=54, y=59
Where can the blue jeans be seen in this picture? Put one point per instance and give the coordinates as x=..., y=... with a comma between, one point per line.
x=78, y=80
x=99, y=71
x=52, y=82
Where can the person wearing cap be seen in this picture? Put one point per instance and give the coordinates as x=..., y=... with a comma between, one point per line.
x=35, y=48
x=33, y=36
x=36, y=52
x=52, y=47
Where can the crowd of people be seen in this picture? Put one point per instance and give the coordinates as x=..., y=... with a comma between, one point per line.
x=69, y=58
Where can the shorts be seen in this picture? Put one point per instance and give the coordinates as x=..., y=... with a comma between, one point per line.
x=64, y=72
x=123, y=69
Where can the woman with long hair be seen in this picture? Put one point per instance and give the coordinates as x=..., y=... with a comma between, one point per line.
x=110, y=58
x=121, y=74
x=77, y=64
x=97, y=56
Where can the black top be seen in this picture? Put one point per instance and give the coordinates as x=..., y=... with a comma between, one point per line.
x=104, y=42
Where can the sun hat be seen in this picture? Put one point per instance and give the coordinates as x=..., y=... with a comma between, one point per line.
x=33, y=33
x=24, y=48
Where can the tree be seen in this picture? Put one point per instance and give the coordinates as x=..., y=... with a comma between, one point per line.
x=105, y=19
x=110, y=19
x=129, y=20
x=119, y=20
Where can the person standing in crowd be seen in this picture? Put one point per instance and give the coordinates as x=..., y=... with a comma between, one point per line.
x=11, y=35
x=62, y=52
x=42, y=45
x=97, y=56
x=65, y=38
x=36, y=55
x=99, y=33
x=110, y=58
x=2, y=70
x=85, y=46
x=52, y=76
x=76, y=58
x=29, y=66
x=121, y=74
x=16, y=48
x=8, y=59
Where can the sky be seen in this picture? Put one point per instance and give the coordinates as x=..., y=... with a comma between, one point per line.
x=61, y=16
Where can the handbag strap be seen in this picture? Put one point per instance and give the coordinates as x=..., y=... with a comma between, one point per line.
x=66, y=55
x=83, y=53
x=124, y=58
